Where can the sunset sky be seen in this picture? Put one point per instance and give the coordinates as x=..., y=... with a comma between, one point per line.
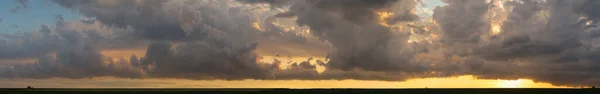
x=299, y=43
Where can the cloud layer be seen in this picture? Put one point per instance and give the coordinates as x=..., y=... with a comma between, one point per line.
x=551, y=41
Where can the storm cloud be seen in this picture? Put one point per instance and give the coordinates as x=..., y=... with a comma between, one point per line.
x=65, y=52
x=352, y=27
x=554, y=41
x=548, y=41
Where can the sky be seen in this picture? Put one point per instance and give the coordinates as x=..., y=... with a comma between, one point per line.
x=299, y=43
x=38, y=12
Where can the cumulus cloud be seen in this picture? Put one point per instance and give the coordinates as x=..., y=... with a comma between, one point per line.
x=215, y=39
x=353, y=29
x=200, y=60
x=76, y=56
x=551, y=41
x=535, y=39
x=211, y=38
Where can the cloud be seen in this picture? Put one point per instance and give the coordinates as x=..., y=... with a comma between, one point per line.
x=76, y=57
x=546, y=41
x=50, y=39
x=353, y=29
x=200, y=41
x=189, y=39
x=273, y=3
x=69, y=49
x=551, y=41
x=200, y=60
x=282, y=36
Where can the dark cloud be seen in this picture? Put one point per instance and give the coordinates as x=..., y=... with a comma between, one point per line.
x=88, y=21
x=462, y=22
x=365, y=48
x=202, y=40
x=273, y=3
x=538, y=40
x=200, y=60
x=281, y=34
x=352, y=27
x=191, y=39
x=51, y=39
x=551, y=41
x=70, y=49
x=76, y=58
x=22, y=46
x=142, y=16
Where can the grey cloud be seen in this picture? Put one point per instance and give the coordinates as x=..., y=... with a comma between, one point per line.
x=551, y=41
x=273, y=3
x=68, y=50
x=211, y=39
x=462, y=21
x=200, y=60
x=351, y=26
x=281, y=34
x=77, y=59
x=88, y=21
x=217, y=42
x=145, y=17
x=23, y=46
x=364, y=49
x=164, y=19
x=305, y=64
x=547, y=41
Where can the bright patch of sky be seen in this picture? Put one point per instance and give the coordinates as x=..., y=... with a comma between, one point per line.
x=430, y=4
x=37, y=12
x=425, y=10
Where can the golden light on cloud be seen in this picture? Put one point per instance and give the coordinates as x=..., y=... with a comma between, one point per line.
x=588, y=22
x=124, y=52
x=383, y=15
x=287, y=61
x=257, y=26
x=496, y=28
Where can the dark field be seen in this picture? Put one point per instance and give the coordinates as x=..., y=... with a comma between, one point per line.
x=297, y=91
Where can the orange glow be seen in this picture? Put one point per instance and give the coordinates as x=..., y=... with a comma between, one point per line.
x=496, y=28
x=383, y=16
x=466, y=81
x=509, y=83
x=257, y=26
x=124, y=53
